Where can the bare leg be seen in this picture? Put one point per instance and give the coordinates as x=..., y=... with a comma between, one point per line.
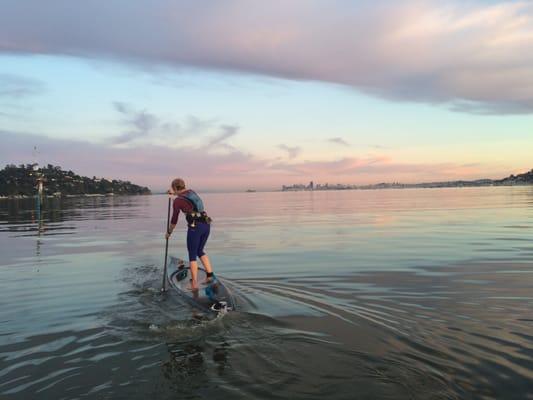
x=193, y=265
x=207, y=265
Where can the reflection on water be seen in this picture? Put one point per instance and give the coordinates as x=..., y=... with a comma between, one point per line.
x=393, y=294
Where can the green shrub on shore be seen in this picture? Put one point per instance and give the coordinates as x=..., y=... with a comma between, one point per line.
x=22, y=180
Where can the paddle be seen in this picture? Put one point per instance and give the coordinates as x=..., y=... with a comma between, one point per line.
x=164, y=288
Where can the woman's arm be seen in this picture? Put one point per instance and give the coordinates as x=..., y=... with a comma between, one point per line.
x=170, y=230
x=174, y=220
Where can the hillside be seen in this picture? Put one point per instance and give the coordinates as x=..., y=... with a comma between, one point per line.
x=520, y=179
x=22, y=181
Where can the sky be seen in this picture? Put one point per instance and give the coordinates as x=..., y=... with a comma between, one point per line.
x=239, y=94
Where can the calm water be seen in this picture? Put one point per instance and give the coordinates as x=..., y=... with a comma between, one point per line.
x=391, y=294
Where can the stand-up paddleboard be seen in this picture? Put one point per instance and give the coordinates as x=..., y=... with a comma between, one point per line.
x=213, y=297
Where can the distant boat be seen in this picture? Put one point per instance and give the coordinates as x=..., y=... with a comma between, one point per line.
x=250, y=191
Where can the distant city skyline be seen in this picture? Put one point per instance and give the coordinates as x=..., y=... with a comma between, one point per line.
x=234, y=95
x=525, y=178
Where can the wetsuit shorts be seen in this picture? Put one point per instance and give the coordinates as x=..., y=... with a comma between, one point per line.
x=196, y=240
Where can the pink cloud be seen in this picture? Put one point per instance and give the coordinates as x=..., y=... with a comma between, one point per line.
x=155, y=166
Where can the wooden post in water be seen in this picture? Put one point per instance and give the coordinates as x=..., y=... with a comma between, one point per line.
x=40, y=188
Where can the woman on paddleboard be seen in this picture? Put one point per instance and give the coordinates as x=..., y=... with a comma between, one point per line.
x=188, y=202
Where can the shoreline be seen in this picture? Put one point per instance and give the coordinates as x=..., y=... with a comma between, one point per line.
x=51, y=196
x=402, y=187
x=21, y=197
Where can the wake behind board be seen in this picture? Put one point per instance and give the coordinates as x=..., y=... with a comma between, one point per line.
x=213, y=297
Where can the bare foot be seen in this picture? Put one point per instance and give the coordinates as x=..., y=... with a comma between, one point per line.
x=193, y=286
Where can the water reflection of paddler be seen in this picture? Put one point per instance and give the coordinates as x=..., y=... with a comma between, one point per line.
x=198, y=223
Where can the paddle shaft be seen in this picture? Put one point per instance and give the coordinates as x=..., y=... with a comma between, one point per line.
x=166, y=248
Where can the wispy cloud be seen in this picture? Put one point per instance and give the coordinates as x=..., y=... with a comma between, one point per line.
x=292, y=152
x=16, y=87
x=375, y=169
x=339, y=140
x=226, y=131
x=196, y=126
x=139, y=123
x=155, y=165
x=431, y=51
x=144, y=126
x=147, y=164
x=496, y=107
x=338, y=167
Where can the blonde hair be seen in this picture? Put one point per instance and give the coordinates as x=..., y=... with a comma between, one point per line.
x=178, y=184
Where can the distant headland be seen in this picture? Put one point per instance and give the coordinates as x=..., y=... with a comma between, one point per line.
x=513, y=180
x=24, y=181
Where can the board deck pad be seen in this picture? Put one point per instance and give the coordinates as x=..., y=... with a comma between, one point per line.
x=212, y=297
